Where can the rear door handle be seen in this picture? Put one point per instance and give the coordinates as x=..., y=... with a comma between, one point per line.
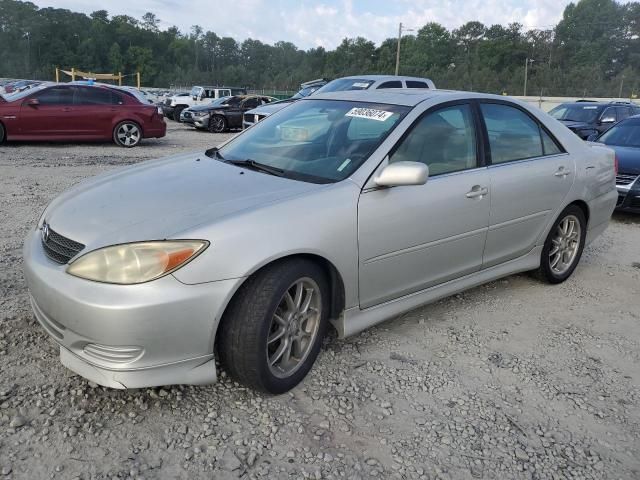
x=477, y=191
x=562, y=172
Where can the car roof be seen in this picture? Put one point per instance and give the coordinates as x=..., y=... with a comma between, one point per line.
x=380, y=77
x=409, y=97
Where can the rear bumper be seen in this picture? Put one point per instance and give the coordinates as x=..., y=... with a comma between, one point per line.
x=156, y=129
x=132, y=336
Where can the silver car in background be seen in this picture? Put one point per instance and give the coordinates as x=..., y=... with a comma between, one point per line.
x=344, y=209
x=359, y=82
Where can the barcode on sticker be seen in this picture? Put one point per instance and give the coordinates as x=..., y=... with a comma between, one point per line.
x=370, y=113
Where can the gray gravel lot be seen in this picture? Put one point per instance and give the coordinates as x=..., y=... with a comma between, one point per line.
x=514, y=379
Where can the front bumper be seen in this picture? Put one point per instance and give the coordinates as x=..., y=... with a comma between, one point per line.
x=629, y=197
x=157, y=333
x=168, y=110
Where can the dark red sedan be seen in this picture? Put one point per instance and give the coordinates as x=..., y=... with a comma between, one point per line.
x=72, y=112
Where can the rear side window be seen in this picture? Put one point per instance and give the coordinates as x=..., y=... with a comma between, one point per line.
x=55, y=96
x=416, y=84
x=95, y=96
x=390, y=84
x=513, y=135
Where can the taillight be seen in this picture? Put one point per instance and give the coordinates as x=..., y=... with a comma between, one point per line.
x=615, y=163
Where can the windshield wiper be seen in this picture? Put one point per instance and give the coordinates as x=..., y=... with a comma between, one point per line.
x=260, y=167
x=213, y=152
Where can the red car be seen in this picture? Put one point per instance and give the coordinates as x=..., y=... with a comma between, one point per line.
x=72, y=112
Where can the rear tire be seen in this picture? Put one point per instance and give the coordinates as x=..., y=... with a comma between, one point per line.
x=563, y=247
x=127, y=134
x=271, y=333
x=176, y=113
x=2, y=134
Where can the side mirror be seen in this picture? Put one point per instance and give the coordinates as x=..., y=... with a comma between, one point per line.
x=33, y=102
x=592, y=137
x=403, y=173
x=607, y=120
x=195, y=97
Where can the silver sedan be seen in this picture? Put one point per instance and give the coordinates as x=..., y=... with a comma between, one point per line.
x=342, y=210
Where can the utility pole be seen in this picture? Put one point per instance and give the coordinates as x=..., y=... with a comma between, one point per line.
x=527, y=61
x=400, y=28
x=621, y=83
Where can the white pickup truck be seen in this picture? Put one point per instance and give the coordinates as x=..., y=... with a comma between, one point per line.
x=173, y=106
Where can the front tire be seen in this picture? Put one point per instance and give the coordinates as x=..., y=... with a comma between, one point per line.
x=217, y=124
x=176, y=113
x=127, y=134
x=272, y=332
x=563, y=247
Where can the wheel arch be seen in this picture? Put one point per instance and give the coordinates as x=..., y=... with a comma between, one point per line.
x=336, y=284
x=584, y=207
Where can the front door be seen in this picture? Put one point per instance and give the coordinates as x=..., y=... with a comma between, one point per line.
x=530, y=176
x=51, y=116
x=414, y=237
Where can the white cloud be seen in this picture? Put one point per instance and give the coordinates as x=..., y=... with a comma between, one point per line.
x=309, y=24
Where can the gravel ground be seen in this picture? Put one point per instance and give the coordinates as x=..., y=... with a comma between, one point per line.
x=514, y=379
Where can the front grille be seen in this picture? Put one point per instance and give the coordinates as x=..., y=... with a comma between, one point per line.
x=625, y=179
x=248, y=117
x=58, y=248
x=620, y=200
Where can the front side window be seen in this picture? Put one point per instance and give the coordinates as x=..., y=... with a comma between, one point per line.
x=320, y=141
x=445, y=140
x=250, y=103
x=55, y=96
x=513, y=135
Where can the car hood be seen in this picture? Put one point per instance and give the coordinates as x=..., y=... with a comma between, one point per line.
x=628, y=159
x=162, y=198
x=206, y=108
x=270, y=108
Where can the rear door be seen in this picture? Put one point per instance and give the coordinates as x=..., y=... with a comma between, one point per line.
x=94, y=111
x=52, y=116
x=530, y=176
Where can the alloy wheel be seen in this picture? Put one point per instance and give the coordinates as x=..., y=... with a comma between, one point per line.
x=565, y=244
x=128, y=134
x=294, y=327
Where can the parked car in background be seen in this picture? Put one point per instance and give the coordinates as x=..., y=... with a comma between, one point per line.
x=586, y=118
x=173, y=106
x=344, y=209
x=19, y=85
x=72, y=112
x=361, y=82
x=624, y=139
x=223, y=114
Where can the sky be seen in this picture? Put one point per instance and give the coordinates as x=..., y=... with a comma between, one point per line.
x=324, y=23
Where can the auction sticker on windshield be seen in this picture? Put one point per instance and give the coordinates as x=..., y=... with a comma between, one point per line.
x=370, y=113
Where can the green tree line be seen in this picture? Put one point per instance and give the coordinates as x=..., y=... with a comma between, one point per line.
x=594, y=50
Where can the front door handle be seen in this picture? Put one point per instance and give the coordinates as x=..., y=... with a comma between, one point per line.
x=562, y=172
x=477, y=191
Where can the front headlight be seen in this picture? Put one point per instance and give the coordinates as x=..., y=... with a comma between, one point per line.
x=200, y=114
x=132, y=263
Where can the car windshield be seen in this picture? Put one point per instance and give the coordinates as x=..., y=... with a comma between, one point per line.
x=624, y=134
x=319, y=141
x=305, y=92
x=343, y=84
x=222, y=101
x=581, y=112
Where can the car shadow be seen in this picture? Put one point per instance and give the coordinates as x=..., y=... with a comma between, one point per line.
x=626, y=217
